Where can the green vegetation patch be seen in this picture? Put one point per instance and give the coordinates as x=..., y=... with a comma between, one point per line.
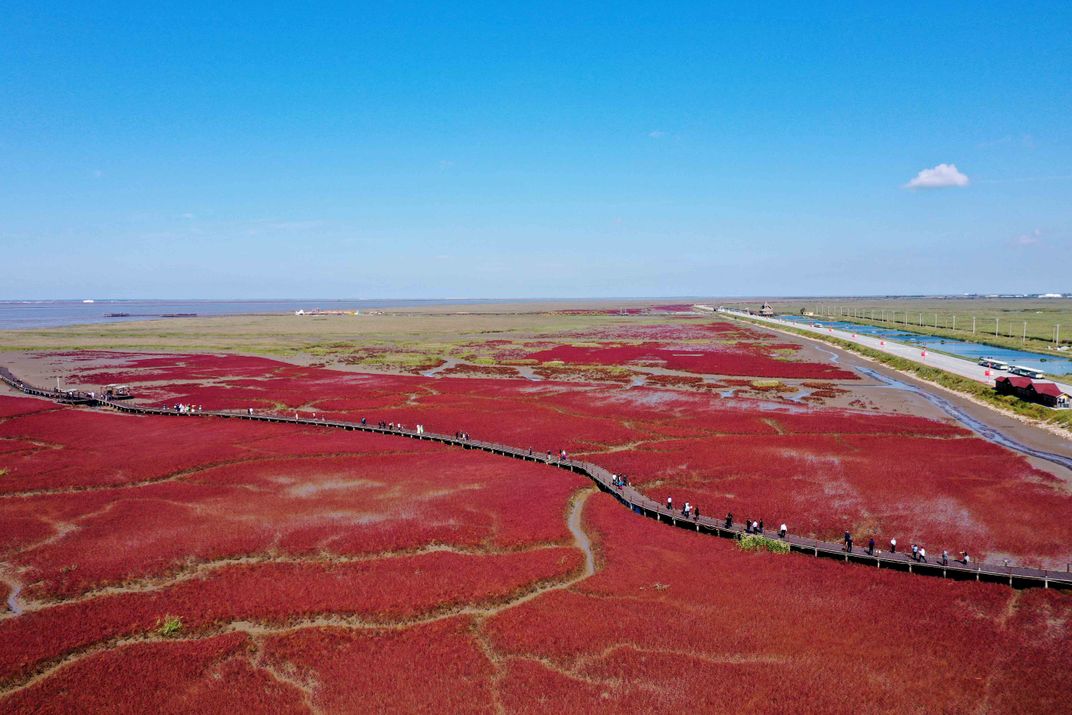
x=169, y=626
x=755, y=542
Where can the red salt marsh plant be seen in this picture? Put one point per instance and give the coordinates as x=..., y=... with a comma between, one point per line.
x=434, y=667
x=216, y=674
x=750, y=360
x=679, y=620
x=299, y=491
x=870, y=485
x=871, y=473
x=670, y=618
x=381, y=590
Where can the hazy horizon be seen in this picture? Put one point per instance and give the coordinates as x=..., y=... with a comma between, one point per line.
x=550, y=298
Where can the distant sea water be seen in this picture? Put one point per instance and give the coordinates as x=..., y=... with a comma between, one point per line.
x=15, y=314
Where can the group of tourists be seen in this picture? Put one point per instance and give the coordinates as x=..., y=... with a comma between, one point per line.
x=619, y=480
x=184, y=409
x=918, y=552
x=383, y=424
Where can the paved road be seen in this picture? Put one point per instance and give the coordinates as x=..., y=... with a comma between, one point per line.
x=949, y=363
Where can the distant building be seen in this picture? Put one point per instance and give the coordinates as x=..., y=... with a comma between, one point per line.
x=766, y=310
x=807, y=313
x=1012, y=385
x=1044, y=393
x=1049, y=394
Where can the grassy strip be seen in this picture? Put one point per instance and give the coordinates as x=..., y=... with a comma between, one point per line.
x=964, y=385
x=755, y=542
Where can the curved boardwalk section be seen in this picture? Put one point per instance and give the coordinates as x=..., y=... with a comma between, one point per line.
x=1015, y=576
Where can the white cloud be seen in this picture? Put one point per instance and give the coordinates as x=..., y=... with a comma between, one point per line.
x=939, y=177
x=657, y=134
x=1027, y=239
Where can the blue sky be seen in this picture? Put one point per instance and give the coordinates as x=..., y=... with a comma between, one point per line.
x=394, y=150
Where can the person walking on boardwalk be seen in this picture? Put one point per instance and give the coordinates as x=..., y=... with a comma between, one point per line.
x=755, y=528
x=893, y=545
x=670, y=504
x=729, y=519
x=945, y=557
x=696, y=513
x=848, y=542
x=966, y=559
x=915, y=552
x=922, y=554
x=782, y=530
x=871, y=546
x=760, y=525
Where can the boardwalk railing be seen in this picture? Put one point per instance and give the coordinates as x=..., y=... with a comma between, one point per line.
x=1015, y=576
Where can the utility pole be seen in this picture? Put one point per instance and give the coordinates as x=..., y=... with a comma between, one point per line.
x=1023, y=338
x=935, y=321
x=1058, y=338
x=996, y=321
x=954, y=322
x=973, y=325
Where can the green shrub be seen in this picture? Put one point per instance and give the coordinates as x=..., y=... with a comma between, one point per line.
x=169, y=626
x=755, y=542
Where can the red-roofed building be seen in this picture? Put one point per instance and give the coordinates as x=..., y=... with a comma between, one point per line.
x=1048, y=393
x=1044, y=393
x=1012, y=385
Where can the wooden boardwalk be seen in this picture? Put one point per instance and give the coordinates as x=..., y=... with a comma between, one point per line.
x=1015, y=576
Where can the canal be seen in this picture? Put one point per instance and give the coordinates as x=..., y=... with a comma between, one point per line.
x=962, y=348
